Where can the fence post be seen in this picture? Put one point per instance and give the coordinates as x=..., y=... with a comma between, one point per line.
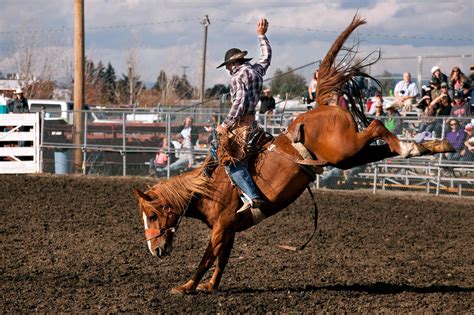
x=124, y=146
x=172, y=151
x=41, y=141
x=375, y=178
x=420, y=71
x=84, y=152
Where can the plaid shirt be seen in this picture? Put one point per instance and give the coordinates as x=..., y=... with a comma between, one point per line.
x=246, y=84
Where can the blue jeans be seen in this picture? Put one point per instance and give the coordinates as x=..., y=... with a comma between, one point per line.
x=242, y=178
x=180, y=163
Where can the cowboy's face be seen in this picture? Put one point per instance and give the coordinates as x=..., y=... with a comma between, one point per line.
x=230, y=66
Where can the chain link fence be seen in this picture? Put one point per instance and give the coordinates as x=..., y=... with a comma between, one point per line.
x=127, y=143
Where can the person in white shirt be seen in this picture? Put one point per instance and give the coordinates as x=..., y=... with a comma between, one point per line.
x=405, y=93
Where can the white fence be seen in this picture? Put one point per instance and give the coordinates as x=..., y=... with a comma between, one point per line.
x=19, y=144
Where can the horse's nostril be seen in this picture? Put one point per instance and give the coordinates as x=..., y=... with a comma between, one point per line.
x=158, y=251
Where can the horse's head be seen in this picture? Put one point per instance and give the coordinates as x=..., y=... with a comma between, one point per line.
x=160, y=221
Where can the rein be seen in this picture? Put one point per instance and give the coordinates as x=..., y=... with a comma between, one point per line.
x=315, y=218
x=155, y=233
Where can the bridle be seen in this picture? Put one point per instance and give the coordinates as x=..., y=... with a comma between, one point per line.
x=151, y=234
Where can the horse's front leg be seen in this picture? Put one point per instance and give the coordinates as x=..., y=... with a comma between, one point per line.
x=220, y=246
x=222, y=260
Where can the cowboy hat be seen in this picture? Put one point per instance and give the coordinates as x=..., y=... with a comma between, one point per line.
x=18, y=91
x=434, y=69
x=234, y=54
x=387, y=105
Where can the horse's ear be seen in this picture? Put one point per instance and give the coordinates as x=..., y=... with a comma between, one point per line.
x=139, y=194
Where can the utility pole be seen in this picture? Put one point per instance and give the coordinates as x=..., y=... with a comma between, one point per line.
x=78, y=82
x=206, y=23
x=131, y=85
x=184, y=70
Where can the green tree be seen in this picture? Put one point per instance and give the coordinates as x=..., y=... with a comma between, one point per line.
x=288, y=82
x=110, y=85
x=182, y=87
x=161, y=81
x=123, y=88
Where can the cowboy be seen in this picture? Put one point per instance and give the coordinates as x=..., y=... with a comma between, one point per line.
x=20, y=104
x=245, y=88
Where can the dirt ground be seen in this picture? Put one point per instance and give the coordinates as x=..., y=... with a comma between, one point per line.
x=76, y=244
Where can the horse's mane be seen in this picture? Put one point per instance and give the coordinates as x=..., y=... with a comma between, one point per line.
x=178, y=191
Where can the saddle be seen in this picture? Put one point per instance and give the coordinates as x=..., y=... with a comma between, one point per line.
x=242, y=144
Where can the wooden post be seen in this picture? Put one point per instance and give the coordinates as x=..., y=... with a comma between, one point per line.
x=78, y=82
x=206, y=23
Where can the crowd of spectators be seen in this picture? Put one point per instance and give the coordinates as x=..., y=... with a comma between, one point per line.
x=441, y=109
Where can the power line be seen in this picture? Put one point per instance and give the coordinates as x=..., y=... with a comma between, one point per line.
x=106, y=27
x=364, y=33
x=306, y=29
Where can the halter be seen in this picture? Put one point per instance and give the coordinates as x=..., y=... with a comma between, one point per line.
x=155, y=233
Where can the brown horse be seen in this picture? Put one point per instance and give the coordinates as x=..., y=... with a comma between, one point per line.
x=328, y=133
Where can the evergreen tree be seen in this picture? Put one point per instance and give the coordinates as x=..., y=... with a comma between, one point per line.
x=183, y=88
x=123, y=89
x=161, y=82
x=109, y=86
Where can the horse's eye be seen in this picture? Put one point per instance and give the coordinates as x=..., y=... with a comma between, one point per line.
x=153, y=217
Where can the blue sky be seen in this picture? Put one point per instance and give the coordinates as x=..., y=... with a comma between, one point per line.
x=167, y=34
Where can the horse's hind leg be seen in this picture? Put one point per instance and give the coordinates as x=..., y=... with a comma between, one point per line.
x=393, y=147
x=403, y=148
x=376, y=130
x=368, y=154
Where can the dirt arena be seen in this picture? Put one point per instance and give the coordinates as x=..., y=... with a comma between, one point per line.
x=76, y=244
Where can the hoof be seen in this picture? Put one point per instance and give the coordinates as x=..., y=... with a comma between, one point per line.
x=176, y=291
x=437, y=146
x=205, y=288
x=181, y=291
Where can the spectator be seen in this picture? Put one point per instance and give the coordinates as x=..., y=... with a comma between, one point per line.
x=466, y=91
x=406, y=93
x=373, y=101
x=184, y=154
x=455, y=136
x=471, y=79
x=211, y=128
x=379, y=113
x=20, y=103
x=467, y=153
x=345, y=178
x=161, y=158
x=312, y=87
x=435, y=89
x=459, y=107
x=18, y=106
x=428, y=120
x=267, y=104
x=436, y=73
x=456, y=80
x=189, y=132
x=440, y=106
x=445, y=91
x=392, y=121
